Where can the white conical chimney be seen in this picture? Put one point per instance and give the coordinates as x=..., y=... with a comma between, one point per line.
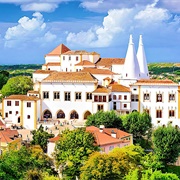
x=142, y=60
x=131, y=67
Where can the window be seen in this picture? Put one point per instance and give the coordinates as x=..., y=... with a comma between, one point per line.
x=10, y=112
x=111, y=147
x=146, y=97
x=120, y=97
x=28, y=104
x=134, y=97
x=17, y=112
x=6, y=115
x=125, y=97
x=8, y=103
x=114, y=105
x=114, y=97
x=171, y=97
x=56, y=95
x=100, y=107
x=28, y=116
x=88, y=96
x=63, y=57
x=125, y=105
x=16, y=103
x=159, y=98
x=99, y=98
x=46, y=95
x=69, y=58
x=78, y=96
x=159, y=114
x=171, y=113
x=146, y=110
x=67, y=96
x=77, y=58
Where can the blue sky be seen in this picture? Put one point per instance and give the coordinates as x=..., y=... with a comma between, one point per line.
x=29, y=29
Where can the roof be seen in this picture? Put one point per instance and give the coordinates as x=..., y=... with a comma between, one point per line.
x=40, y=71
x=54, y=139
x=101, y=89
x=98, y=71
x=7, y=134
x=110, y=61
x=85, y=63
x=70, y=77
x=52, y=64
x=32, y=91
x=104, y=137
x=79, y=52
x=155, y=82
x=119, y=88
x=2, y=124
x=58, y=50
x=23, y=97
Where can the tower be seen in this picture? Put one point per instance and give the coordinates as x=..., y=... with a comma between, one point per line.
x=142, y=60
x=131, y=67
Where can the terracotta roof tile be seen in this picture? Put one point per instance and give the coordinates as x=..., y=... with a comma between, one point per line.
x=35, y=92
x=98, y=71
x=40, y=71
x=58, y=50
x=119, y=88
x=155, y=82
x=70, y=77
x=85, y=63
x=101, y=89
x=54, y=139
x=110, y=61
x=80, y=52
x=52, y=64
x=22, y=97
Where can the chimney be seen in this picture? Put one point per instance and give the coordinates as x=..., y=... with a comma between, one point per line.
x=113, y=134
x=101, y=127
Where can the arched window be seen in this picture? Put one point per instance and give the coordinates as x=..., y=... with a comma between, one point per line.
x=60, y=115
x=74, y=115
x=86, y=114
x=47, y=114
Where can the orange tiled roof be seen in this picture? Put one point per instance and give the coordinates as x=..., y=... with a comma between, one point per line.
x=4, y=138
x=40, y=71
x=119, y=88
x=54, y=139
x=107, y=78
x=110, y=61
x=80, y=52
x=70, y=77
x=23, y=97
x=155, y=82
x=35, y=92
x=6, y=134
x=85, y=63
x=101, y=89
x=58, y=50
x=52, y=64
x=98, y=71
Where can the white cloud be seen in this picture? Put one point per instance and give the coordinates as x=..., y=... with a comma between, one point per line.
x=27, y=31
x=42, y=7
x=126, y=21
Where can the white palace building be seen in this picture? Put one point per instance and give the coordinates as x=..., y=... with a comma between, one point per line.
x=73, y=84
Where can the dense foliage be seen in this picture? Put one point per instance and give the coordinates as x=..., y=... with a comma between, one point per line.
x=4, y=76
x=166, y=142
x=109, y=119
x=72, y=150
x=17, y=85
x=15, y=164
x=40, y=137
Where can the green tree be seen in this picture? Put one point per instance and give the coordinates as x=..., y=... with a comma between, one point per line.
x=15, y=164
x=4, y=76
x=166, y=141
x=112, y=166
x=17, y=85
x=138, y=124
x=40, y=137
x=72, y=150
x=109, y=119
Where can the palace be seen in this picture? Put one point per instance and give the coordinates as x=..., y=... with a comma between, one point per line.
x=73, y=84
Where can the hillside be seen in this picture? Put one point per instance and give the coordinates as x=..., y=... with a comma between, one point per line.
x=156, y=70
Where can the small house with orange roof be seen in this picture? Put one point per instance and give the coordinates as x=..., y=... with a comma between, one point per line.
x=110, y=138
